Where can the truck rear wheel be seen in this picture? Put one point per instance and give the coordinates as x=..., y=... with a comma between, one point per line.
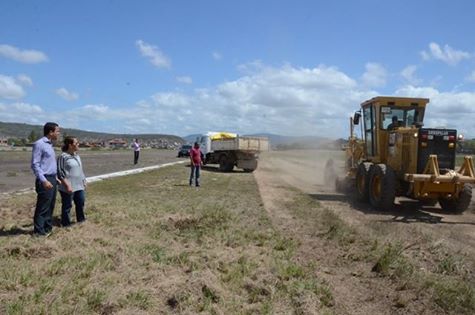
x=382, y=187
x=222, y=163
x=225, y=164
x=460, y=204
x=362, y=181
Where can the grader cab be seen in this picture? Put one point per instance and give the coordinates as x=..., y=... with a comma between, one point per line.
x=398, y=157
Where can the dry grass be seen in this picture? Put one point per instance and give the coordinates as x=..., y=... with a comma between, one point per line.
x=152, y=244
x=431, y=271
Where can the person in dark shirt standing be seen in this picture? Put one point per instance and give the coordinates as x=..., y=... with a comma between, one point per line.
x=196, y=162
x=43, y=164
x=136, y=147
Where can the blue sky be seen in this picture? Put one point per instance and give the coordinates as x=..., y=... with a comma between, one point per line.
x=183, y=67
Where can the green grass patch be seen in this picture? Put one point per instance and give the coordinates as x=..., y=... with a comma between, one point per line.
x=153, y=244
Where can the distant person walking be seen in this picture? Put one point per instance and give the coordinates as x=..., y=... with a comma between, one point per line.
x=196, y=162
x=73, y=182
x=43, y=164
x=136, y=148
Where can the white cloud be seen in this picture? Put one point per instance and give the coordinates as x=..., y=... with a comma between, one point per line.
x=67, y=95
x=96, y=109
x=448, y=109
x=375, y=75
x=23, y=56
x=471, y=77
x=24, y=80
x=409, y=75
x=153, y=54
x=26, y=108
x=185, y=79
x=22, y=112
x=283, y=100
x=447, y=54
x=10, y=89
x=216, y=55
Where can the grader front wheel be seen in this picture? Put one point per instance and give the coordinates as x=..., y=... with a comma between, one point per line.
x=460, y=204
x=382, y=187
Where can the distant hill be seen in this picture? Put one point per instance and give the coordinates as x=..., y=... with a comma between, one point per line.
x=19, y=130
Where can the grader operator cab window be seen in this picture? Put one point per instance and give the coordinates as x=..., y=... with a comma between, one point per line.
x=406, y=117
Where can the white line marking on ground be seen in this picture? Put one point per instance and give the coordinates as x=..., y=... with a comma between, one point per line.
x=129, y=172
x=97, y=178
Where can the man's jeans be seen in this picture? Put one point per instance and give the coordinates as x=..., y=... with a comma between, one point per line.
x=195, y=172
x=79, y=198
x=45, y=201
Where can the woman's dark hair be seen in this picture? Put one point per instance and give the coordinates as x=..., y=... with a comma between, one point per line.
x=49, y=126
x=67, y=141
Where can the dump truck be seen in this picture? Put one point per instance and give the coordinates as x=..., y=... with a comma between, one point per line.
x=230, y=150
x=397, y=156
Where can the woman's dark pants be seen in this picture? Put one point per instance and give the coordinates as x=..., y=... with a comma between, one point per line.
x=79, y=198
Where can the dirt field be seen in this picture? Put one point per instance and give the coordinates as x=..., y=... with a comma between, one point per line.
x=427, y=236
x=277, y=241
x=16, y=174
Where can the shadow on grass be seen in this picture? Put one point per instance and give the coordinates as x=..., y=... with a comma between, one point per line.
x=406, y=211
x=26, y=229
x=215, y=169
x=15, y=231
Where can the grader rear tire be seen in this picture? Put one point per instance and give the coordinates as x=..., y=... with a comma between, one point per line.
x=382, y=187
x=460, y=204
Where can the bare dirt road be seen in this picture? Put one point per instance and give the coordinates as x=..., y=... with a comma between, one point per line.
x=421, y=231
x=304, y=171
x=16, y=174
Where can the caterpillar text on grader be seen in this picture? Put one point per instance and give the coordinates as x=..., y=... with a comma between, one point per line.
x=398, y=157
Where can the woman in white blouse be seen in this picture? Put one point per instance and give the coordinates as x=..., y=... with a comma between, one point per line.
x=73, y=181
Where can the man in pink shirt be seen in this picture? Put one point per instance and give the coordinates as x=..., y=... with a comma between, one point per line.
x=196, y=162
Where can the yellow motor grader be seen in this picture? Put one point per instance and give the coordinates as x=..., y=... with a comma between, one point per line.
x=397, y=156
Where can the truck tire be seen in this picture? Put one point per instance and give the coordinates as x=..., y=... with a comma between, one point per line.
x=229, y=166
x=226, y=164
x=362, y=181
x=460, y=204
x=222, y=163
x=382, y=187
